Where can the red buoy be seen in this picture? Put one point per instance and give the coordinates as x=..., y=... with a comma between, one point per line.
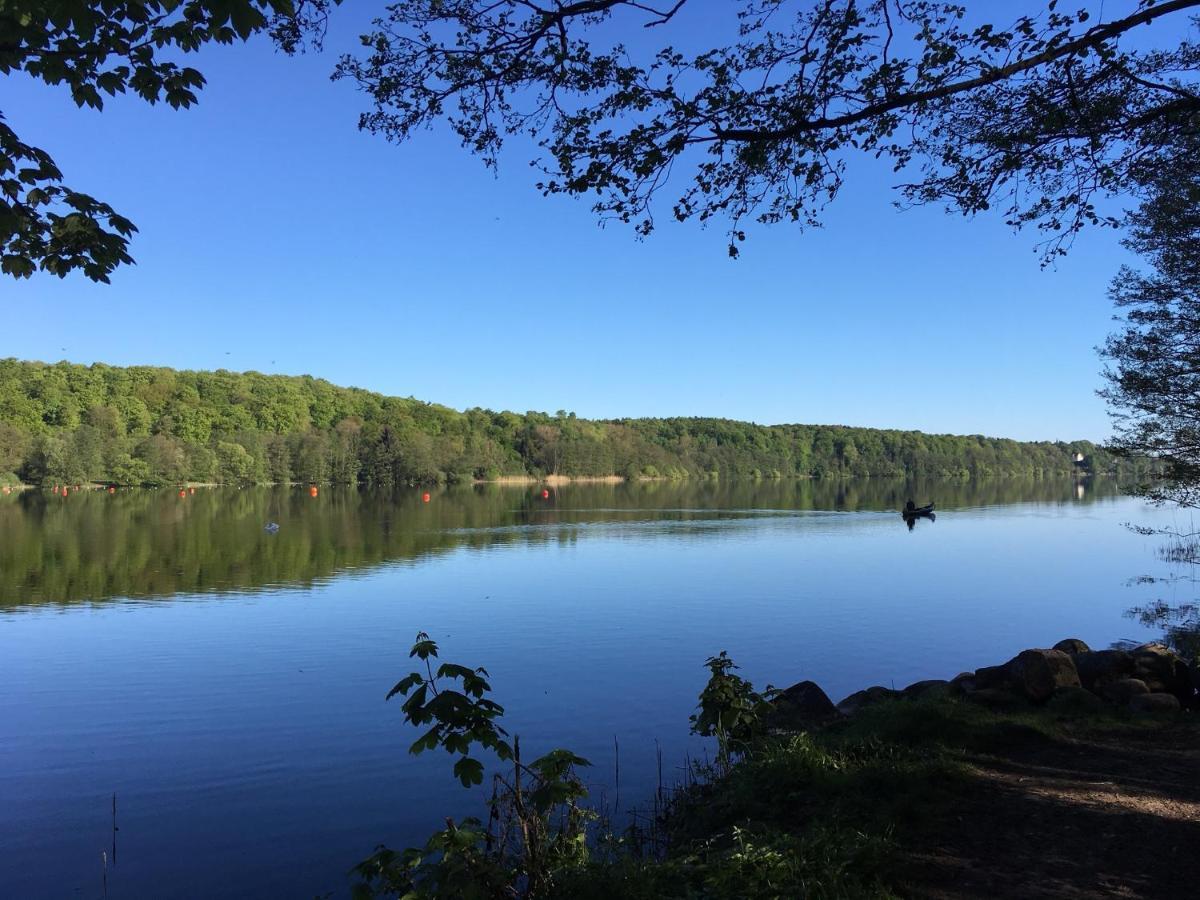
x=111, y=489
x=64, y=490
x=545, y=495
x=182, y=492
x=312, y=491
x=425, y=498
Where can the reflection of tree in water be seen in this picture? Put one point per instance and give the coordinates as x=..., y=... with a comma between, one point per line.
x=1179, y=622
x=93, y=546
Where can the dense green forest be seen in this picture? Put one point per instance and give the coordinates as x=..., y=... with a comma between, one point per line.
x=66, y=423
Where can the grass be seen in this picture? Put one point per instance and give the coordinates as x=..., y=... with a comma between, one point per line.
x=836, y=813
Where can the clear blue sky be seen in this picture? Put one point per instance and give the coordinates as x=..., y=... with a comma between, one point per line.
x=276, y=237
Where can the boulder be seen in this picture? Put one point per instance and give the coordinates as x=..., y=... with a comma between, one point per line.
x=1039, y=673
x=991, y=678
x=1154, y=703
x=1163, y=670
x=1075, y=700
x=963, y=683
x=1072, y=646
x=1122, y=690
x=1098, y=667
x=930, y=686
x=860, y=699
x=801, y=706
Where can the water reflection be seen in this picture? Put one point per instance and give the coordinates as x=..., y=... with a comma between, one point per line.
x=910, y=519
x=1179, y=623
x=94, y=546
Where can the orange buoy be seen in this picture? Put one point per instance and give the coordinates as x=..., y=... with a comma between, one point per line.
x=425, y=498
x=111, y=489
x=545, y=495
x=312, y=491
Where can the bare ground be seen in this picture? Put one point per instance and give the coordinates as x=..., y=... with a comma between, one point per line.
x=1106, y=812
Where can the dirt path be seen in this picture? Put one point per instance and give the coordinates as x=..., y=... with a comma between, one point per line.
x=1111, y=813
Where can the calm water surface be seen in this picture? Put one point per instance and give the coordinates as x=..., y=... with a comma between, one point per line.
x=227, y=684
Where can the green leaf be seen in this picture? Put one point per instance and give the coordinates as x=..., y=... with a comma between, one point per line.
x=469, y=771
x=17, y=266
x=404, y=685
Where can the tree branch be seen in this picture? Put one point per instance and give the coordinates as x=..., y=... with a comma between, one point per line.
x=1093, y=38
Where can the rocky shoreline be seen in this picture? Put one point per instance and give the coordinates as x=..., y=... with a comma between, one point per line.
x=1070, y=676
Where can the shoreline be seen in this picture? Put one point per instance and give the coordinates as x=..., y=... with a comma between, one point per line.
x=554, y=480
x=563, y=480
x=995, y=783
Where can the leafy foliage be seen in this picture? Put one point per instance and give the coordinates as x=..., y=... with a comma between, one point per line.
x=1154, y=372
x=460, y=718
x=453, y=863
x=99, y=48
x=1041, y=117
x=67, y=423
x=730, y=709
x=734, y=831
x=537, y=824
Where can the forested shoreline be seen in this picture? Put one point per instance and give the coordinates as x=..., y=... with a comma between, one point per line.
x=141, y=425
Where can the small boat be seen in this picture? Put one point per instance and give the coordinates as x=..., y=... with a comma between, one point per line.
x=271, y=528
x=911, y=511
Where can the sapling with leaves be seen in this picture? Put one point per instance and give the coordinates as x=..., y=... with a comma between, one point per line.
x=461, y=718
x=730, y=709
x=537, y=824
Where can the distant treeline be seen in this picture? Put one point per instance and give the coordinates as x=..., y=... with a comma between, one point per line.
x=66, y=423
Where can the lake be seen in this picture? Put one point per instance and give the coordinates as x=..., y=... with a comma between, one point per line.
x=227, y=684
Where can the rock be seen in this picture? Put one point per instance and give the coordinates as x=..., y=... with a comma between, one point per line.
x=1163, y=671
x=1154, y=703
x=801, y=706
x=990, y=678
x=1071, y=646
x=1102, y=666
x=1075, y=700
x=1122, y=690
x=869, y=697
x=1039, y=673
x=996, y=698
x=963, y=683
x=931, y=686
